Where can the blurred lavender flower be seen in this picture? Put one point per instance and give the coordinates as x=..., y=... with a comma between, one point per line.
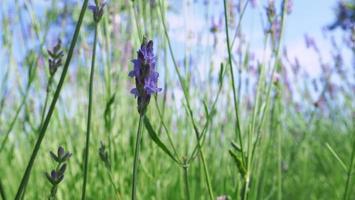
x=275, y=29
x=104, y=155
x=98, y=10
x=61, y=156
x=56, y=176
x=145, y=74
x=310, y=42
x=222, y=197
x=345, y=16
x=289, y=6
x=270, y=10
x=215, y=27
x=254, y=3
x=55, y=58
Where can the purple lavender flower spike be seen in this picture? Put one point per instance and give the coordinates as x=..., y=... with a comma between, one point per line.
x=97, y=10
x=145, y=75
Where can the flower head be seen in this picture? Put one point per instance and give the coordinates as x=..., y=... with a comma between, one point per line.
x=98, y=10
x=55, y=57
x=61, y=156
x=145, y=75
x=345, y=16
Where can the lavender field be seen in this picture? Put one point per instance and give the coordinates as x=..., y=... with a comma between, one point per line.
x=177, y=99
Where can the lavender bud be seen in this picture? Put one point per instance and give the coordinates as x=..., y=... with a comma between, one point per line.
x=55, y=58
x=104, y=155
x=98, y=11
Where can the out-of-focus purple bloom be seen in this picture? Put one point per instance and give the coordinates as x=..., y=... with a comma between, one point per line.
x=145, y=75
x=270, y=10
x=289, y=6
x=310, y=42
x=275, y=29
x=345, y=16
x=215, y=27
x=98, y=10
x=61, y=155
x=55, y=58
x=254, y=3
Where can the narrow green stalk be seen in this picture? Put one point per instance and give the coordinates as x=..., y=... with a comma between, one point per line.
x=117, y=192
x=42, y=133
x=2, y=191
x=350, y=172
x=186, y=180
x=235, y=101
x=7, y=134
x=87, y=145
x=205, y=169
x=238, y=130
x=279, y=150
x=186, y=96
x=44, y=109
x=136, y=157
x=22, y=104
x=140, y=34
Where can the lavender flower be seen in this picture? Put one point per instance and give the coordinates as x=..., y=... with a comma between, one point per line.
x=98, y=10
x=104, y=155
x=310, y=42
x=270, y=10
x=254, y=3
x=274, y=28
x=61, y=156
x=345, y=16
x=289, y=6
x=57, y=175
x=55, y=58
x=145, y=75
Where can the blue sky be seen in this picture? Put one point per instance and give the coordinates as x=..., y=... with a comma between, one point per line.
x=307, y=17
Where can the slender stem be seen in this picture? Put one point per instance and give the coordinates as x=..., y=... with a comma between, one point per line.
x=117, y=192
x=87, y=145
x=42, y=133
x=350, y=171
x=186, y=180
x=23, y=102
x=46, y=100
x=2, y=191
x=238, y=130
x=207, y=176
x=136, y=157
x=186, y=96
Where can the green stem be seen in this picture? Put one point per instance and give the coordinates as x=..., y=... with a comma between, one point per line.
x=46, y=100
x=117, y=192
x=350, y=171
x=207, y=176
x=186, y=96
x=136, y=157
x=87, y=145
x=23, y=102
x=238, y=130
x=42, y=133
x=2, y=191
x=186, y=180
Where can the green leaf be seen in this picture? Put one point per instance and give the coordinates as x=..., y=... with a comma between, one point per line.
x=236, y=147
x=336, y=156
x=156, y=139
x=220, y=75
x=239, y=163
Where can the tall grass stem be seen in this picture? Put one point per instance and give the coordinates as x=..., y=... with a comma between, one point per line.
x=43, y=130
